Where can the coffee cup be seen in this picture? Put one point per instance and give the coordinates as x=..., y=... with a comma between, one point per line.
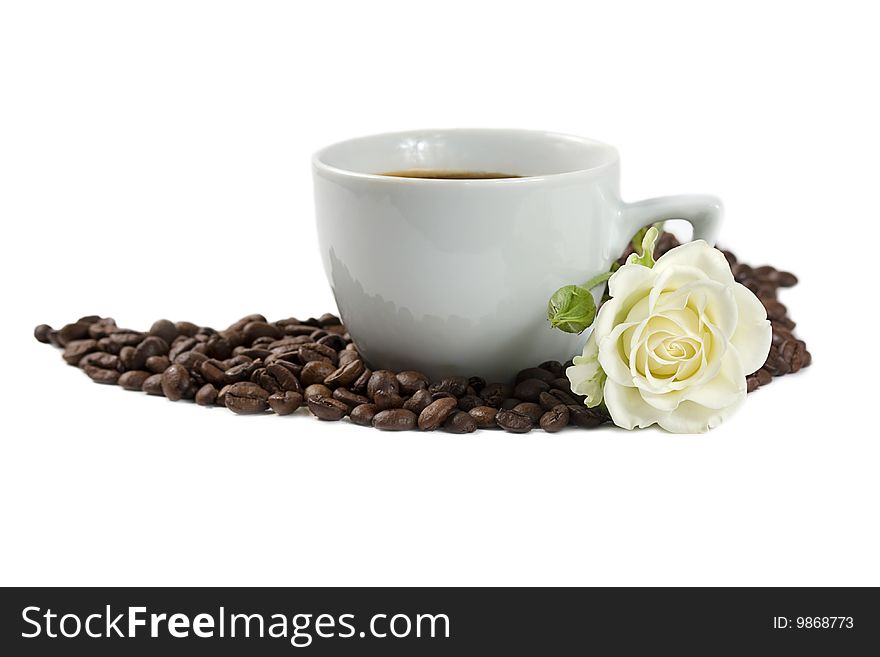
x=452, y=275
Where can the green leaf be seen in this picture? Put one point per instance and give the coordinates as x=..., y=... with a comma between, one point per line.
x=646, y=259
x=571, y=309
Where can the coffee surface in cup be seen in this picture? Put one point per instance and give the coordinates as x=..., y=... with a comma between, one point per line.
x=449, y=174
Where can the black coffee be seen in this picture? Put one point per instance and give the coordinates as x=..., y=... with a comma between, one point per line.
x=449, y=174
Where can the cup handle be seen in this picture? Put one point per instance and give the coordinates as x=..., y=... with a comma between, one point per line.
x=701, y=211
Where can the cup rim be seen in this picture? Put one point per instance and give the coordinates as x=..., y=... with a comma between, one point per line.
x=320, y=165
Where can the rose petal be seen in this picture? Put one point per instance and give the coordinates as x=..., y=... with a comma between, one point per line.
x=627, y=408
x=725, y=389
x=700, y=255
x=753, y=333
x=690, y=417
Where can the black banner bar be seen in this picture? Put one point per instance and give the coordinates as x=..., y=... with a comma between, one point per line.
x=437, y=621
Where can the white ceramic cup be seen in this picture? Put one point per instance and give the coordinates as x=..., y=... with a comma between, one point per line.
x=452, y=277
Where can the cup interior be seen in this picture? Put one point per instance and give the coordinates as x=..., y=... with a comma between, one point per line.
x=515, y=152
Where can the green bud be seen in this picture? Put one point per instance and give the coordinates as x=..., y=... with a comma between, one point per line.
x=571, y=309
x=646, y=259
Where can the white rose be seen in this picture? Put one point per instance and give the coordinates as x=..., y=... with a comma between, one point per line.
x=674, y=344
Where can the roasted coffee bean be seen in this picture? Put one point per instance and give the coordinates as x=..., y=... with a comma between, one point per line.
x=284, y=379
x=586, y=418
x=346, y=356
x=126, y=357
x=443, y=395
x=785, y=279
x=153, y=385
x=531, y=409
x=190, y=359
x=181, y=345
x=297, y=329
x=530, y=389
x=238, y=326
x=329, y=319
x=165, y=329
x=419, y=401
x=363, y=414
x=101, y=359
x=125, y=338
x=411, y=381
x=206, y=395
x=513, y=421
x=346, y=374
x=186, y=328
x=175, y=382
x=150, y=346
x=334, y=341
x=314, y=351
x=254, y=353
x=71, y=332
x=134, y=379
x=548, y=401
x=554, y=367
x=395, y=419
x=360, y=385
x=555, y=419
x=317, y=390
x=495, y=393
x=563, y=396
x=509, y=403
x=41, y=333
x=561, y=383
x=752, y=383
x=383, y=380
x=534, y=373
x=316, y=371
x=218, y=347
x=435, y=414
x=246, y=397
x=468, y=402
x=76, y=349
x=327, y=408
x=238, y=373
x=484, y=416
x=454, y=385
x=102, y=328
x=213, y=372
x=285, y=402
x=157, y=364
x=763, y=377
x=100, y=375
x=460, y=422
x=385, y=400
x=349, y=398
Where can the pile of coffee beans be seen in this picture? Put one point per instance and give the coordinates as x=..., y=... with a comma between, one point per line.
x=257, y=366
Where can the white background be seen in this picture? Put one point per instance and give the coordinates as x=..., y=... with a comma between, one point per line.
x=154, y=162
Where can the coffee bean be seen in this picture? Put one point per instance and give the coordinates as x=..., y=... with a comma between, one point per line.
x=349, y=398
x=180, y=345
x=153, y=385
x=346, y=356
x=548, y=401
x=100, y=375
x=495, y=393
x=133, y=379
x=384, y=400
x=246, y=398
x=419, y=401
x=763, y=377
x=213, y=371
x=533, y=410
x=126, y=357
x=333, y=340
x=468, y=402
x=41, y=333
x=255, y=353
x=317, y=390
x=175, y=382
x=436, y=412
x=360, y=385
x=101, y=359
x=383, y=380
x=150, y=346
x=283, y=378
x=586, y=418
x=363, y=414
x=513, y=421
x=165, y=329
x=411, y=381
x=534, y=373
x=460, y=422
x=314, y=351
x=785, y=279
x=555, y=419
x=346, y=374
x=554, y=367
x=190, y=359
x=752, y=383
x=157, y=364
x=509, y=403
x=218, y=347
x=76, y=349
x=285, y=402
x=395, y=419
x=207, y=395
x=530, y=389
x=240, y=372
x=71, y=332
x=186, y=328
x=326, y=408
x=484, y=416
x=561, y=383
x=329, y=319
x=454, y=385
x=316, y=371
x=563, y=397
